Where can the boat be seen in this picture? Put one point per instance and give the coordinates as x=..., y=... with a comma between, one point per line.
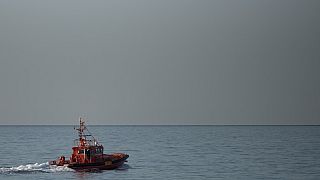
x=87, y=154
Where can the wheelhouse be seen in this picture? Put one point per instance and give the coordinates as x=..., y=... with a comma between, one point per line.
x=86, y=149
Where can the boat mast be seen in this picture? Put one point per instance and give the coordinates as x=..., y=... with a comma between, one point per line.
x=83, y=141
x=81, y=129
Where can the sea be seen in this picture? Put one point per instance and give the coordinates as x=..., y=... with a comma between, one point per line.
x=168, y=152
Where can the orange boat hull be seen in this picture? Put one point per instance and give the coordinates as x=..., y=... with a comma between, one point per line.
x=109, y=162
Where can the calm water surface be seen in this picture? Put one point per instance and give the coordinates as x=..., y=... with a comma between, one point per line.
x=168, y=152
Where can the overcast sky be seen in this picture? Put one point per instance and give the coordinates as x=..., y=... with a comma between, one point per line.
x=160, y=62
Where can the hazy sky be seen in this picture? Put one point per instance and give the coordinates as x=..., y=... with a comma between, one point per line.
x=160, y=62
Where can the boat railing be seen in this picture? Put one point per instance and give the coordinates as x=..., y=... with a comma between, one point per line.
x=86, y=142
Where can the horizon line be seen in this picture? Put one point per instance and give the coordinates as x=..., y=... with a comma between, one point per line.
x=162, y=125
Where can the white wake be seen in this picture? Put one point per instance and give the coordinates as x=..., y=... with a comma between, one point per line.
x=32, y=168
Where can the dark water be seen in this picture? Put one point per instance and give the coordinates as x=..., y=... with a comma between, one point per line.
x=169, y=152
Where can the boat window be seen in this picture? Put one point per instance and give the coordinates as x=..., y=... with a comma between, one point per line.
x=80, y=151
x=93, y=151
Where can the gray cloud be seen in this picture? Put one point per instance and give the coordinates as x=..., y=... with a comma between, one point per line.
x=160, y=62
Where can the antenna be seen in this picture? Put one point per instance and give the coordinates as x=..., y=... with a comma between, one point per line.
x=83, y=136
